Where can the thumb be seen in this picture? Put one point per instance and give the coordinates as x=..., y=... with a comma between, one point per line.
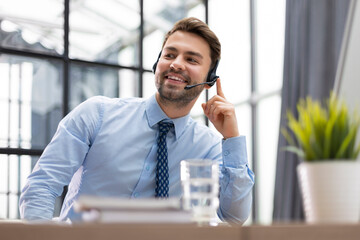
x=203, y=106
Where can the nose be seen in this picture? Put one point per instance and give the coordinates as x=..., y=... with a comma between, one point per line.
x=177, y=64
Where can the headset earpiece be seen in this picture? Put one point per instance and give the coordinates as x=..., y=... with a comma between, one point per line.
x=155, y=64
x=212, y=77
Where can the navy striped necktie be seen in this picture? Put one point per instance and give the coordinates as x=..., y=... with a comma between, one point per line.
x=162, y=173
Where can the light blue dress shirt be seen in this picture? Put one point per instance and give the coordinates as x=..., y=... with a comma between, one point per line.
x=107, y=147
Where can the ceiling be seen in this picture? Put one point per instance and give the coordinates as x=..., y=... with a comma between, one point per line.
x=98, y=29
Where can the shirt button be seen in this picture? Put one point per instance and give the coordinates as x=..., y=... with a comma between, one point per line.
x=147, y=168
x=136, y=195
x=226, y=153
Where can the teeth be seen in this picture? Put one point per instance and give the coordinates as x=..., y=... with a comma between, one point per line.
x=176, y=78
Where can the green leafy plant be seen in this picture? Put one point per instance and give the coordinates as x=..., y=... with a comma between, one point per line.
x=322, y=132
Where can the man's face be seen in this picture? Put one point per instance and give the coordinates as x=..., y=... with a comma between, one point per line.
x=185, y=60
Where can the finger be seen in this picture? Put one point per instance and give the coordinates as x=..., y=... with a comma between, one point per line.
x=214, y=99
x=203, y=105
x=219, y=90
x=211, y=112
x=206, y=108
x=217, y=110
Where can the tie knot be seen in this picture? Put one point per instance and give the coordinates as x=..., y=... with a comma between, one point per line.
x=164, y=127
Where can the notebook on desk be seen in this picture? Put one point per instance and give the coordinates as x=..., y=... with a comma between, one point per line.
x=112, y=210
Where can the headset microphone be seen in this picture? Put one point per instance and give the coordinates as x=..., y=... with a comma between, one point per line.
x=209, y=83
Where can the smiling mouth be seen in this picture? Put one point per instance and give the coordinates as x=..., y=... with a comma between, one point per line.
x=177, y=79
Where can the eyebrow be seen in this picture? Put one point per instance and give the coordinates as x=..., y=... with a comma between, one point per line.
x=188, y=52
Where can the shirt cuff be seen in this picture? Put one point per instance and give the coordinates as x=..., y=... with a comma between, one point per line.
x=234, y=152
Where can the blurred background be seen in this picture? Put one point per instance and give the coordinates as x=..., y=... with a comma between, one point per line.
x=54, y=54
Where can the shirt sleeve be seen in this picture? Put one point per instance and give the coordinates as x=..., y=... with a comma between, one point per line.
x=60, y=160
x=236, y=181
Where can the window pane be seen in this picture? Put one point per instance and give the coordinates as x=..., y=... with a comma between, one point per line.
x=88, y=81
x=149, y=88
x=270, y=43
x=128, y=80
x=243, y=115
x=159, y=18
x=3, y=206
x=27, y=163
x=4, y=165
x=105, y=31
x=13, y=206
x=230, y=22
x=14, y=184
x=268, y=126
x=35, y=25
x=197, y=111
x=14, y=170
x=30, y=101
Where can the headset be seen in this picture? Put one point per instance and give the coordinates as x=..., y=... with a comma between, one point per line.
x=210, y=79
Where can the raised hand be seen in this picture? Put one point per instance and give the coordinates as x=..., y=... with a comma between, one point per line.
x=221, y=113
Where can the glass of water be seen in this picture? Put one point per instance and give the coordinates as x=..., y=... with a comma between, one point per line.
x=200, y=184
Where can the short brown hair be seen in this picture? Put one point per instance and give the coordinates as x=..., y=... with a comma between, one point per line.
x=196, y=26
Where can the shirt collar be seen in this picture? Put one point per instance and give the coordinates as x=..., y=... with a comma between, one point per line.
x=155, y=114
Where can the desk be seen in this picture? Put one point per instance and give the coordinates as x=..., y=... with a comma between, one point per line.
x=176, y=231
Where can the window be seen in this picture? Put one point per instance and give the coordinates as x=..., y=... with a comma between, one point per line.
x=251, y=72
x=55, y=54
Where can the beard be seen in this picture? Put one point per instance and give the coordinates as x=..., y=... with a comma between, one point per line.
x=174, y=95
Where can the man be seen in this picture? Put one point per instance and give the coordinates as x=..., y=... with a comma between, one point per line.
x=108, y=147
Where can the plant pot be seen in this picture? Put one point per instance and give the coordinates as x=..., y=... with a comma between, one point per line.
x=330, y=191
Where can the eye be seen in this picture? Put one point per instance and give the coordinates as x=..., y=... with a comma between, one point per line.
x=192, y=60
x=169, y=55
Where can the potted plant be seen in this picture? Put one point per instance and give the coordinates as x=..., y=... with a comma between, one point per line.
x=324, y=137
